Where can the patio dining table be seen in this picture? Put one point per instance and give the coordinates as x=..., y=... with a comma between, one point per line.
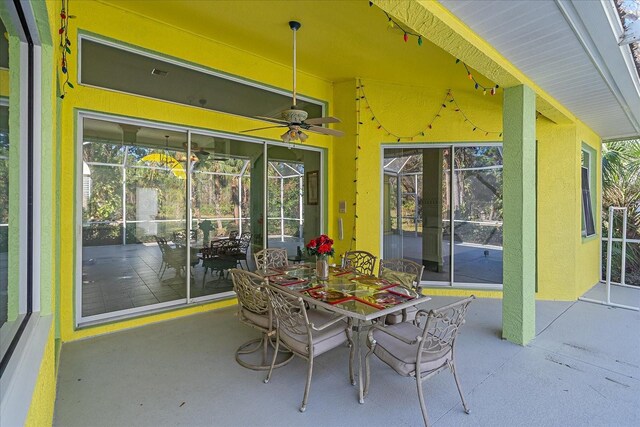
x=362, y=298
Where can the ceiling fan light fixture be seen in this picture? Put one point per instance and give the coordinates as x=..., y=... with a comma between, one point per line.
x=286, y=137
x=303, y=136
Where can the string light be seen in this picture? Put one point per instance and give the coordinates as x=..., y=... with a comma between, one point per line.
x=65, y=45
x=359, y=98
x=477, y=84
x=392, y=23
x=449, y=98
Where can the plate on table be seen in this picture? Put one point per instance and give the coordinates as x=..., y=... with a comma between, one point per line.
x=330, y=296
x=385, y=299
x=285, y=280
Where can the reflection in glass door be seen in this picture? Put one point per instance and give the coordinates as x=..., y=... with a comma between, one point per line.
x=293, y=198
x=416, y=205
x=166, y=212
x=227, y=197
x=133, y=218
x=425, y=204
x=477, y=212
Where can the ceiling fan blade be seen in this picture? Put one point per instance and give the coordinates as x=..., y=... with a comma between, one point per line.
x=272, y=119
x=268, y=127
x=321, y=120
x=325, y=131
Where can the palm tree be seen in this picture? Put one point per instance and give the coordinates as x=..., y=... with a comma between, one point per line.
x=621, y=187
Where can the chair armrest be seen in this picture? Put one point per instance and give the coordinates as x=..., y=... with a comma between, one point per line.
x=393, y=334
x=419, y=314
x=329, y=323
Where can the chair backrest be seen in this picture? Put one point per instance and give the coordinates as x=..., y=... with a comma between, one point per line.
x=271, y=258
x=289, y=312
x=251, y=291
x=221, y=247
x=233, y=234
x=404, y=266
x=245, y=241
x=361, y=261
x=208, y=253
x=442, y=326
x=162, y=244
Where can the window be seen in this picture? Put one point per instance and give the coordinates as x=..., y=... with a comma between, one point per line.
x=4, y=178
x=16, y=181
x=144, y=187
x=103, y=65
x=586, y=175
x=443, y=209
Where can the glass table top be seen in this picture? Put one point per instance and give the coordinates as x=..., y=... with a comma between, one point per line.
x=363, y=296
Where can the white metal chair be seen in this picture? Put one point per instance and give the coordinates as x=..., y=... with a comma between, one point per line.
x=406, y=273
x=420, y=351
x=362, y=262
x=271, y=258
x=254, y=310
x=307, y=333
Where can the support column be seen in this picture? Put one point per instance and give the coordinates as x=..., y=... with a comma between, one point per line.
x=519, y=193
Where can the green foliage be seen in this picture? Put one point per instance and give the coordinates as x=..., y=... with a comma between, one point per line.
x=621, y=187
x=477, y=194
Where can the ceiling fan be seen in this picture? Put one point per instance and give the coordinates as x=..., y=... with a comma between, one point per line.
x=197, y=150
x=295, y=119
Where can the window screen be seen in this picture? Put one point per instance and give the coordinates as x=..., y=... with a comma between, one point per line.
x=118, y=69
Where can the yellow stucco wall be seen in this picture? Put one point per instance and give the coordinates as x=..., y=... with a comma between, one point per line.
x=97, y=19
x=44, y=395
x=557, y=209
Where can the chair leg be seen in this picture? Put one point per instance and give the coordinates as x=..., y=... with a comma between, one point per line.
x=273, y=361
x=367, y=377
x=352, y=351
x=423, y=406
x=308, y=385
x=265, y=346
x=455, y=377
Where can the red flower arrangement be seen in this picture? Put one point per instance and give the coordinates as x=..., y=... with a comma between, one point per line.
x=320, y=246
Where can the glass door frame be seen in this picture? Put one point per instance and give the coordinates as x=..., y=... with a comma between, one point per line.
x=452, y=147
x=81, y=321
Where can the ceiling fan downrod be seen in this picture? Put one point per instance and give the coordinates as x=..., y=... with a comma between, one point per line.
x=295, y=26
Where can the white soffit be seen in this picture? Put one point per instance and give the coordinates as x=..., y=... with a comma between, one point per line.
x=569, y=49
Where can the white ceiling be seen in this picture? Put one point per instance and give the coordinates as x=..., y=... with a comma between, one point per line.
x=569, y=48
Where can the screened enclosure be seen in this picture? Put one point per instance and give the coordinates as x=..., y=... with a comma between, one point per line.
x=433, y=193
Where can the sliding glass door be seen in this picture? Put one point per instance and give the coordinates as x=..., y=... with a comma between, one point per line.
x=294, y=209
x=167, y=211
x=442, y=208
x=478, y=215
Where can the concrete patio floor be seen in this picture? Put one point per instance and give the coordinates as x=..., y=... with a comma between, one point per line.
x=583, y=368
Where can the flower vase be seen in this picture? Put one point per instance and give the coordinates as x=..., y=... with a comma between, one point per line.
x=322, y=267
